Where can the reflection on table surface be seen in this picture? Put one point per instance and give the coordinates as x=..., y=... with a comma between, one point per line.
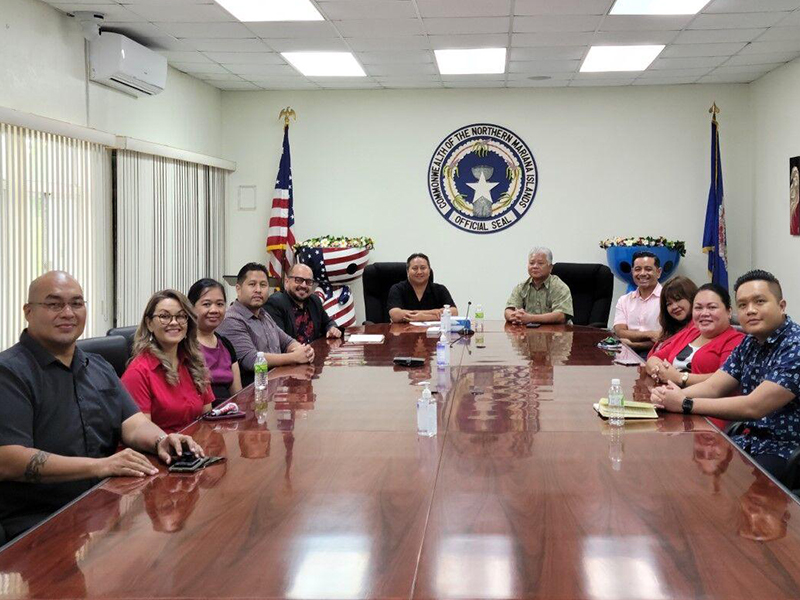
x=328, y=492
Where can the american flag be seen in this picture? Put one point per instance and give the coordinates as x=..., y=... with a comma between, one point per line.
x=280, y=237
x=337, y=302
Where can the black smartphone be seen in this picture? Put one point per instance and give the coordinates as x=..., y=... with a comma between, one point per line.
x=185, y=463
x=533, y=325
x=409, y=361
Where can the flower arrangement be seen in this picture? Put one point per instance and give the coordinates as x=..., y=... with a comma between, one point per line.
x=338, y=241
x=676, y=245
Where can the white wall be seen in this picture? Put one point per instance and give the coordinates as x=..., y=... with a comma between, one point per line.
x=42, y=70
x=777, y=138
x=612, y=161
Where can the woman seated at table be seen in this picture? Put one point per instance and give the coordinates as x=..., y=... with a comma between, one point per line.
x=693, y=354
x=676, y=308
x=418, y=298
x=209, y=301
x=167, y=376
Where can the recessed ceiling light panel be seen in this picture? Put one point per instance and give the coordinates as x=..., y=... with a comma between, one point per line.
x=657, y=7
x=619, y=58
x=471, y=61
x=325, y=64
x=252, y=11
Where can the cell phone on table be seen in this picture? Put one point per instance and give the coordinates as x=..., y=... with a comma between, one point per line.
x=185, y=463
x=533, y=325
x=627, y=362
x=409, y=361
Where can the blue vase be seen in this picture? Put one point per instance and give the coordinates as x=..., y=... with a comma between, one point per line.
x=620, y=261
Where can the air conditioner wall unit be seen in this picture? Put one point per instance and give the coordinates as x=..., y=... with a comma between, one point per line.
x=121, y=63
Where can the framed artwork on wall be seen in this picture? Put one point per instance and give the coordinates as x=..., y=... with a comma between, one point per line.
x=794, y=195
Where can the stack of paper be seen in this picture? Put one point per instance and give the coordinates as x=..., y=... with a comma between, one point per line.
x=365, y=338
x=633, y=410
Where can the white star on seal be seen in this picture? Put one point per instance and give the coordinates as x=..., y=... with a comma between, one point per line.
x=483, y=188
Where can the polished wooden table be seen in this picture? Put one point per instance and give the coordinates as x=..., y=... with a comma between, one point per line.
x=328, y=492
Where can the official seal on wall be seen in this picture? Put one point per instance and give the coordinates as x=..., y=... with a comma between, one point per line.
x=482, y=178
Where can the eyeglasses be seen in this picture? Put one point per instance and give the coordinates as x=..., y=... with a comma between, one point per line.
x=308, y=282
x=57, y=306
x=166, y=318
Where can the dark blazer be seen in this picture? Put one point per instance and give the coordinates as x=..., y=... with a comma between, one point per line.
x=279, y=307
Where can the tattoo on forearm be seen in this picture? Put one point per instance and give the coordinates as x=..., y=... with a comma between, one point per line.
x=35, y=464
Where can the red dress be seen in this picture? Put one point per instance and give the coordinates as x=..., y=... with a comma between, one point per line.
x=171, y=407
x=708, y=358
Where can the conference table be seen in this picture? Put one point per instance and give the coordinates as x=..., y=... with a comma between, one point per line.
x=327, y=490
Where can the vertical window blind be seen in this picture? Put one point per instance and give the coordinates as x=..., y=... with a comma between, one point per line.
x=170, y=228
x=55, y=213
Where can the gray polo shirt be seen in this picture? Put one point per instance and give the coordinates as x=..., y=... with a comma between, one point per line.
x=69, y=411
x=251, y=334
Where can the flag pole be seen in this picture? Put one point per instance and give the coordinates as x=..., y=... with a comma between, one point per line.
x=714, y=110
x=288, y=112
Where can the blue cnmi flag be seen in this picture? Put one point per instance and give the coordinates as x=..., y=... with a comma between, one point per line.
x=714, y=237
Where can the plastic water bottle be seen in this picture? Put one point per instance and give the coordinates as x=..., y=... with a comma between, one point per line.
x=444, y=324
x=426, y=414
x=442, y=351
x=261, y=368
x=616, y=404
x=479, y=318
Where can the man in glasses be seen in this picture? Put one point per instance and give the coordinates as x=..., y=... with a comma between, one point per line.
x=63, y=413
x=251, y=330
x=298, y=310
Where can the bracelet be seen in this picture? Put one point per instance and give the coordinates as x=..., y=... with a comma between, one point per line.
x=159, y=439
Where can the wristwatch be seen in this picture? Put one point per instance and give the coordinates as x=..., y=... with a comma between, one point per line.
x=688, y=405
x=684, y=379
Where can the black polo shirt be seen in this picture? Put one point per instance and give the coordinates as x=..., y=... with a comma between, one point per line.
x=75, y=411
x=402, y=295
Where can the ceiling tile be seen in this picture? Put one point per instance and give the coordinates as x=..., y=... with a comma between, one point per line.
x=395, y=57
x=234, y=85
x=296, y=29
x=736, y=21
x=166, y=42
x=401, y=69
x=543, y=66
x=464, y=8
x=333, y=83
x=665, y=73
x=791, y=20
x=562, y=7
x=375, y=9
x=600, y=82
x=141, y=32
x=205, y=30
x=762, y=59
x=549, y=53
x=687, y=63
x=521, y=40
x=527, y=83
x=185, y=57
x=464, y=25
x=365, y=44
x=380, y=27
x=556, y=23
x=765, y=47
x=258, y=58
x=111, y=12
x=474, y=84
x=645, y=22
x=740, y=6
x=181, y=13
x=126, y=2
x=298, y=85
x=564, y=75
x=307, y=45
x=406, y=78
x=633, y=37
x=776, y=34
x=730, y=78
x=724, y=70
x=225, y=45
x=260, y=69
x=484, y=77
x=486, y=40
x=200, y=68
x=226, y=76
x=687, y=50
x=711, y=36
x=665, y=81
x=411, y=84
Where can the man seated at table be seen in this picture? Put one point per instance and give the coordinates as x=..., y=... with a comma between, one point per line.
x=251, y=330
x=759, y=383
x=418, y=298
x=298, y=310
x=63, y=413
x=543, y=297
x=636, y=316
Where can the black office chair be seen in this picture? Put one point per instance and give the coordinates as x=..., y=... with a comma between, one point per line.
x=114, y=348
x=127, y=333
x=3, y=537
x=791, y=479
x=378, y=278
x=592, y=286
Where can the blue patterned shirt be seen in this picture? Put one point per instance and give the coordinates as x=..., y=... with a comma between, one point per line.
x=776, y=360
